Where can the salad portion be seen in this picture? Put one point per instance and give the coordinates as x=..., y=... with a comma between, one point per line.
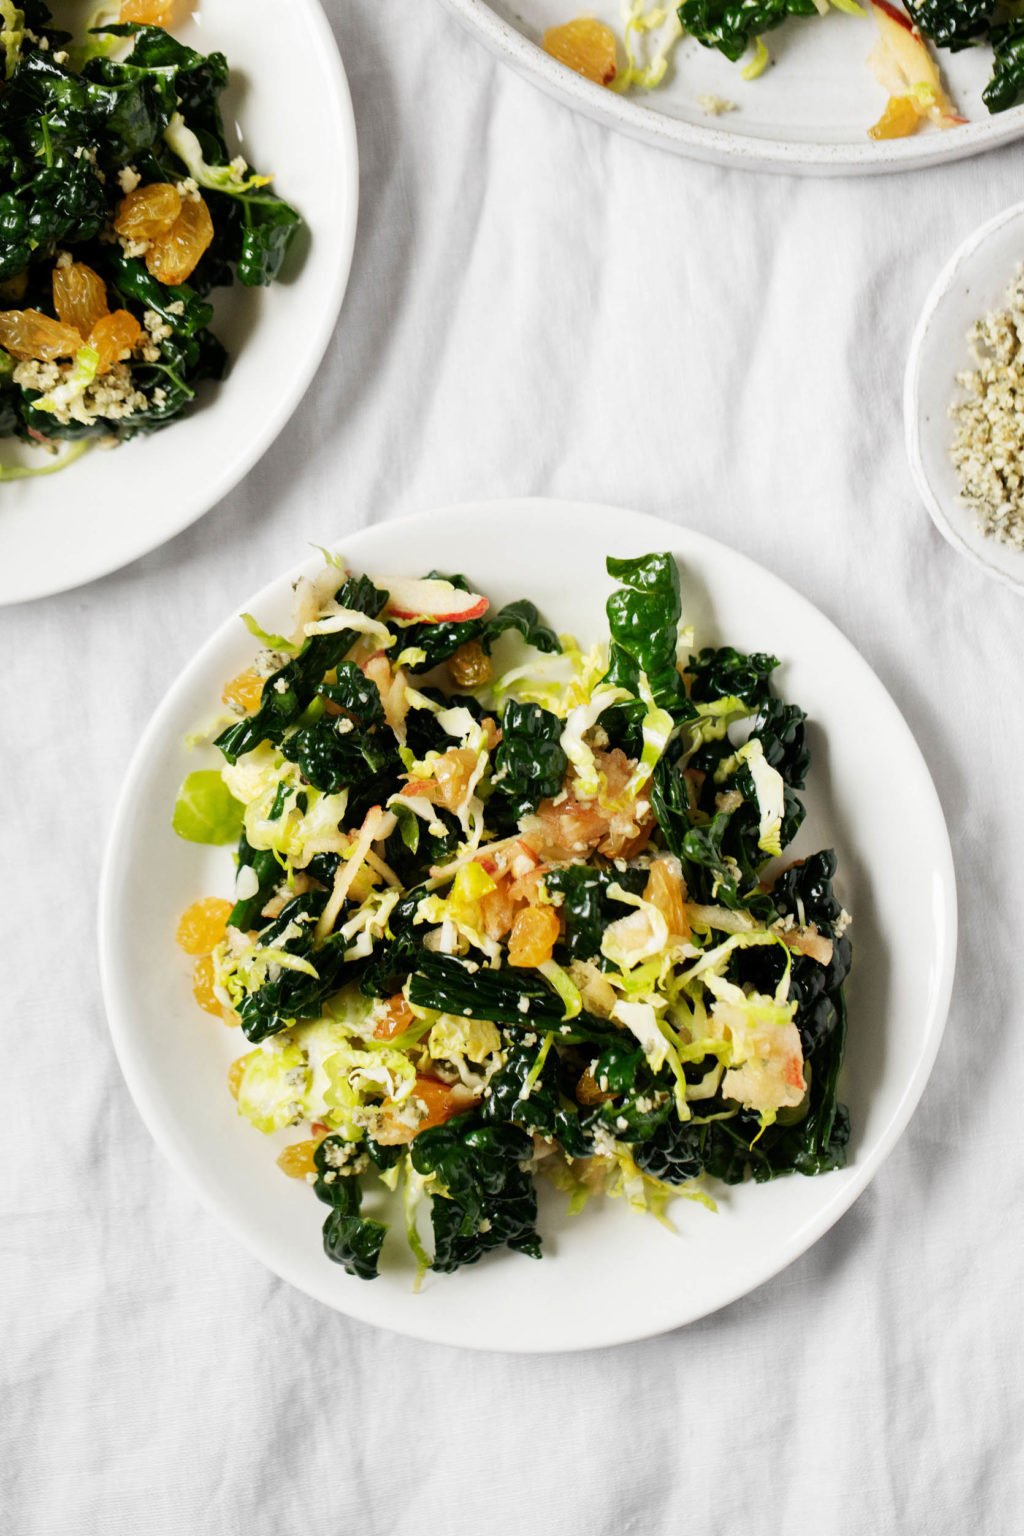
x=505, y=907
x=121, y=209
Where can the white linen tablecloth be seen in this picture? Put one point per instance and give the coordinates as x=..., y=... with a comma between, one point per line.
x=536, y=307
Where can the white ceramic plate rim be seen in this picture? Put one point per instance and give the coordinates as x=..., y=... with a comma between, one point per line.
x=98, y=560
x=160, y=1119
x=937, y=510
x=722, y=147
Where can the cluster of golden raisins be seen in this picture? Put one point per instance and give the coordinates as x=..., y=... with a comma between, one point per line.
x=83, y=318
x=202, y=927
x=178, y=230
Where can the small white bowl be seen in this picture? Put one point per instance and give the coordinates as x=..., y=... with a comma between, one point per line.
x=974, y=282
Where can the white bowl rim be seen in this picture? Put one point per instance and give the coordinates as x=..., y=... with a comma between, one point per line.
x=159, y=1121
x=719, y=146
x=937, y=511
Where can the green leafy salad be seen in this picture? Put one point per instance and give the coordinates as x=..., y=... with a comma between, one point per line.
x=505, y=907
x=121, y=210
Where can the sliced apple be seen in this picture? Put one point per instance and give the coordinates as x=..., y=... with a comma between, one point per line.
x=432, y=602
x=904, y=65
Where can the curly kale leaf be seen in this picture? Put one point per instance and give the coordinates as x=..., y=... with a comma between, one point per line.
x=720, y=672
x=952, y=24
x=643, y=617
x=546, y=1108
x=587, y=908
x=353, y=748
x=485, y=1198
x=782, y=731
x=731, y=25
x=529, y=765
x=280, y=999
x=1006, y=87
x=351, y=1240
x=293, y=687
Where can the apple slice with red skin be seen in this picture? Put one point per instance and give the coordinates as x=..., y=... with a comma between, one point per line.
x=903, y=46
x=430, y=601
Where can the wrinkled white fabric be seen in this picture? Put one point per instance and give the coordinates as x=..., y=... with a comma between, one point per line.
x=536, y=306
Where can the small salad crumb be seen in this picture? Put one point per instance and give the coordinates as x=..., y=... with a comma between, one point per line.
x=988, y=447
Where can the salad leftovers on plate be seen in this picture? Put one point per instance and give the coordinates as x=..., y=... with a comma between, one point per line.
x=121, y=209
x=508, y=907
x=901, y=60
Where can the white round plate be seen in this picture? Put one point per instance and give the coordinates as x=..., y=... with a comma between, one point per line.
x=974, y=282
x=609, y=1275
x=808, y=114
x=289, y=111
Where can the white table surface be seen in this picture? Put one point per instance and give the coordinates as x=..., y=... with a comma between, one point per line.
x=536, y=307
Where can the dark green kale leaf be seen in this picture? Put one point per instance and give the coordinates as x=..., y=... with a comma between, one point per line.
x=488, y=1200
x=354, y=748
x=351, y=1240
x=130, y=280
x=277, y=1003
x=674, y=1152
x=732, y=25
x=529, y=764
x=547, y=1108
x=782, y=731
x=643, y=616
x=245, y=914
x=953, y=24
x=508, y=996
x=720, y=672
x=586, y=907
x=1006, y=87
x=293, y=687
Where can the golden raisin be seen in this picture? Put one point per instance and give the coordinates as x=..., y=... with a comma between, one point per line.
x=236, y=1072
x=30, y=335
x=588, y=1090
x=115, y=337
x=12, y=289
x=154, y=13
x=244, y=692
x=666, y=891
x=297, y=1160
x=585, y=45
x=398, y=1017
x=174, y=256
x=148, y=212
x=900, y=119
x=79, y=296
x=470, y=667
x=203, y=925
x=452, y=774
x=534, y=934
x=202, y=987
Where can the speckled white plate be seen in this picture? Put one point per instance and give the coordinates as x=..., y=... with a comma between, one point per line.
x=289, y=111
x=974, y=282
x=609, y=1275
x=809, y=114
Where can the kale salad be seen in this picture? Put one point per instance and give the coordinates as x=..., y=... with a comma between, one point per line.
x=507, y=908
x=121, y=210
